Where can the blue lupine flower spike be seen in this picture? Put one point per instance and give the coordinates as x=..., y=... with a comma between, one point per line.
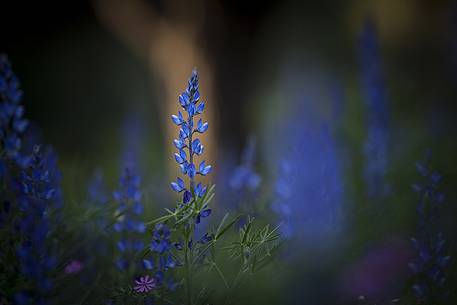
x=187, y=144
x=376, y=146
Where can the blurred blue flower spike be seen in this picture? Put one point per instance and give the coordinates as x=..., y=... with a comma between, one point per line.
x=244, y=176
x=309, y=189
x=376, y=147
x=129, y=225
x=39, y=197
x=431, y=261
x=12, y=122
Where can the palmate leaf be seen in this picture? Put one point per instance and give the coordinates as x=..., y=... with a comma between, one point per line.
x=222, y=228
x=255, y=247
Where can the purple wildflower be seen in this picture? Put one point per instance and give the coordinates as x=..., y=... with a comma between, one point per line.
x=145, y=284
x=75, y=266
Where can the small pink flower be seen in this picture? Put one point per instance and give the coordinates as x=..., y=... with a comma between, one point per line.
x=145, y=284
x=75, y=266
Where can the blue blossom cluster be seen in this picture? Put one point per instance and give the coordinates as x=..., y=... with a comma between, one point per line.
x=163, y=259
x=39, y=196
x=244, y=181
x=431, y=260
x=12, y=122
x=309, y=190
x=128, y=224
x=32, y=193
x=187, y=141
x=377, y=113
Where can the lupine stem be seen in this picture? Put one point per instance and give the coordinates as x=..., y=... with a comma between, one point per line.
x=191, y=157
x=188, y=271
x=189, y=235
x=221, y=275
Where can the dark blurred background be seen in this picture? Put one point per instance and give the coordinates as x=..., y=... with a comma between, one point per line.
x=74, y=67
x=87, y=66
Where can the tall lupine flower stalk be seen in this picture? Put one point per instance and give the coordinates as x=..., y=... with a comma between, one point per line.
x=37, y=202
x=12, y=123
x=128, y=225
x=164, y=254
x=188, y=141
x=12, y=126
x=189, y=147
x=192, y=251
x=377, y=113
x=431, y=260
x=31, y=187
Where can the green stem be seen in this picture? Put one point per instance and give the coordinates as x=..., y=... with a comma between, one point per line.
x=162, y=296
x=221, y=275
x=188, y=271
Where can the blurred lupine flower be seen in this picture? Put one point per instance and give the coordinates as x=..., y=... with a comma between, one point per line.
x=243, y=181
x=244, y=176
x=51, y=162
x=161, y=245
x=128, y=225
x=132, y=137
x=187, y=140
x=12, y=123
x=144, y=284
x=161, y=239
x=97, y=190
x=37, y=199
x=309, y=190
x=377, y=112
x=75, y=266
x=431, y=261
x=282, y=195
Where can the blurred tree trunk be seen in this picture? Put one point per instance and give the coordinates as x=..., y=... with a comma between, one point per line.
x=169, y=42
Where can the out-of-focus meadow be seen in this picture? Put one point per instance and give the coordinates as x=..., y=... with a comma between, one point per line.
x=319, y=112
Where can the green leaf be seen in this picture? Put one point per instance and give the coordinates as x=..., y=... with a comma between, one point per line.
x=160, y=219
x=221, y=230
